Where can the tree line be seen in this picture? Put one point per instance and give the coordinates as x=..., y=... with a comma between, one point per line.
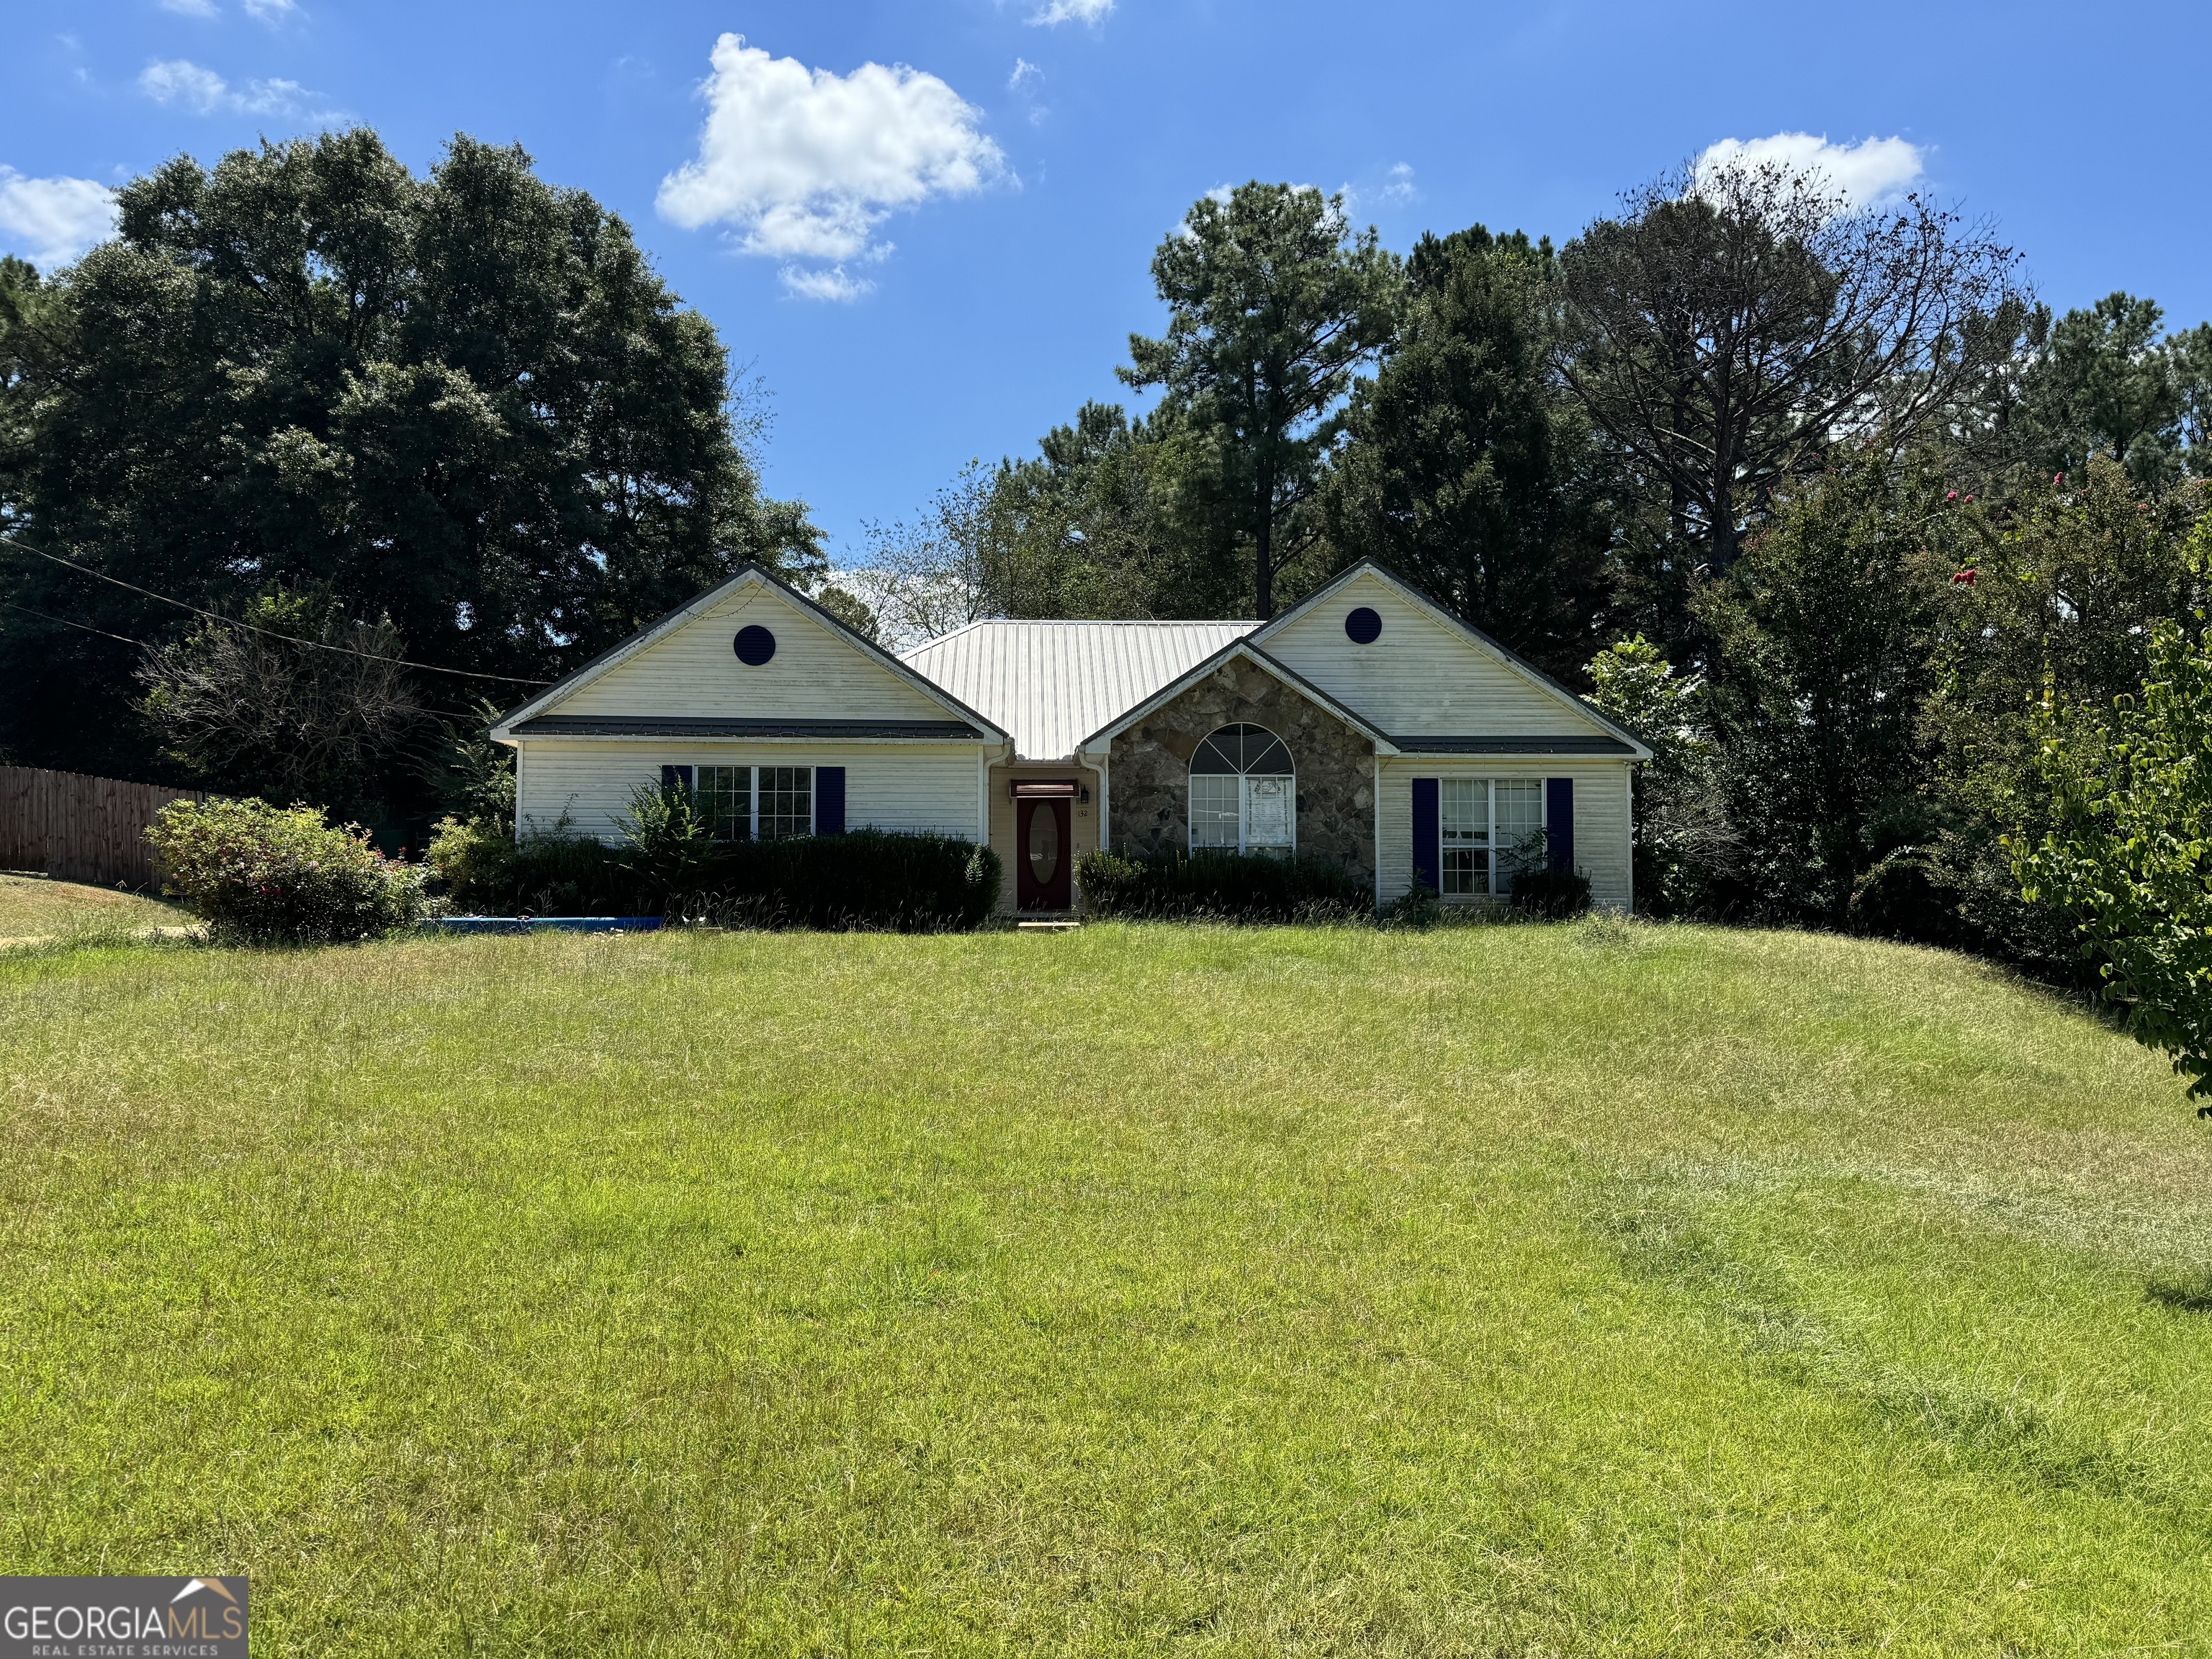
x=1816, y=494
x=316, y=455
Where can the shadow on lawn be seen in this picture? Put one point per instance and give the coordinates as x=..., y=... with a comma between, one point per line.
x=2190, y=1292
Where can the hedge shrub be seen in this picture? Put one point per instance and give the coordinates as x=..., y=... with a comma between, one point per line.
x=870, y=878
x=1553, y=894
x=258, y=874
x=1222, y=886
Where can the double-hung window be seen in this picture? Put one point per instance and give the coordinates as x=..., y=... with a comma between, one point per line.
x=1491, y=829
x=755, y=803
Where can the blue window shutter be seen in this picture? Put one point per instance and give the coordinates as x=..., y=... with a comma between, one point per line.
x=676, y=777
x=829, y=800
x=1428, y=856
x=1559, y=821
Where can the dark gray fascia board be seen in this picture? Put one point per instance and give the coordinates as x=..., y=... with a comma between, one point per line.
x=688, y=726
x=1512, y=746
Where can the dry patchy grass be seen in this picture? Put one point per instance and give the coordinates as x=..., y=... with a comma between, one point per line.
x=32, y=906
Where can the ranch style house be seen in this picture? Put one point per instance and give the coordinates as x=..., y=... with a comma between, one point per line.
x=1365, y=725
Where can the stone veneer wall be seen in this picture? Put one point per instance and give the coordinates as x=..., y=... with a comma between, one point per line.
x=1151, y=776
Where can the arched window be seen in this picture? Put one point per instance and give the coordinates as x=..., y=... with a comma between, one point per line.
x=1243, y=792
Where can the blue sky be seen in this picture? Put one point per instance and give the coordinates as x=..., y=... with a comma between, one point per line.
x=986, y=199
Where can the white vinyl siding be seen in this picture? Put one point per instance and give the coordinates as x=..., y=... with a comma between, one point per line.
x=1601, y=827
x=923, y=785
x=816, y=673
x=1422, y=678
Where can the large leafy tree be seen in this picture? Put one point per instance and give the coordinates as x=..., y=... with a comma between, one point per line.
x=2128, y=859
x=463, y=402
x=1465, y=467
x=1273, y=303
x=1734, y=320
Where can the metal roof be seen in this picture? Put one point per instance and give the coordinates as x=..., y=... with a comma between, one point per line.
x=1054, y=684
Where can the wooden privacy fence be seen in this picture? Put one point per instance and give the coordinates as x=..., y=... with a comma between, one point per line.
x=77, y=828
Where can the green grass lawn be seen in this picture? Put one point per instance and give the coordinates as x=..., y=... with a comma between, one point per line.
x=32, y=906
x=1591, y=1289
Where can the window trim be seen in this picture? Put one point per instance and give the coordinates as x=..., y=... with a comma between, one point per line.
x=1243, y=842
x=753, y=790
x=1491, y=848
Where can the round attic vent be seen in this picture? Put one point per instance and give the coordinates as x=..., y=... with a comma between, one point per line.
x=1362, y=626
x=755, y=645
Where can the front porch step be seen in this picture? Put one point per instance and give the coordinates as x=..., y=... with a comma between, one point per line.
x=1048, y=924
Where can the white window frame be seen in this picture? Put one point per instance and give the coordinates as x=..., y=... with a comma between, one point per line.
x=1490, y=846
x=753, y=791
x=1244, y=780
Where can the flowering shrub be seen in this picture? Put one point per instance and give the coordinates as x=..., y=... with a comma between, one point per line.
x=258, y=874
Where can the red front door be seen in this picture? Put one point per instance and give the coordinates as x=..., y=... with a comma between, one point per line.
x=1042, y=873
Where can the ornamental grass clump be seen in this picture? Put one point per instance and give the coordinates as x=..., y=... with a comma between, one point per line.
x=258, y=874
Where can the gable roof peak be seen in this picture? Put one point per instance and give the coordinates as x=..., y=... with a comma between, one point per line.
x=751, y=572
x=1368, y=565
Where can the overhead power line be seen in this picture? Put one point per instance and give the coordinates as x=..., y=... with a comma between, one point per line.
x=124, y=639
x=233, y=621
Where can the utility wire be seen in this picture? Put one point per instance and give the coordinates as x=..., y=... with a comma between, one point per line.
x=65, y=622
x=289, y=639
x=124, y=639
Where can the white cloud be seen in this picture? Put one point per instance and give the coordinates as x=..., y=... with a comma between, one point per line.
x=271, y=12
x=1055, y=12
x=1399, y=190
x=1865, y=172
x=190, y=7
x=832, y=285
x=806, y=163
x=51, y=220
x=1025, y=75
x=181, y=82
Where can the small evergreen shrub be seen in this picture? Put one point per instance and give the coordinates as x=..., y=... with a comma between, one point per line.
x=1904, y=896
x=1552, y=894
x=484, y=870
x=1221, y=886
x=258, y=874
x=1418, y=906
